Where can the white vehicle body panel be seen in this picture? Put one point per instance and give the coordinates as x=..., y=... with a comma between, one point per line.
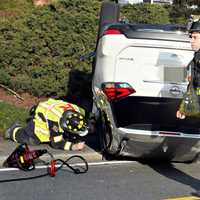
x=142, y=64
x=157, y=70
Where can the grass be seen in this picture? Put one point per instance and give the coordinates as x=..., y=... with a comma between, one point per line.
x=15, y=4
x=10, y=114
x=14, y=8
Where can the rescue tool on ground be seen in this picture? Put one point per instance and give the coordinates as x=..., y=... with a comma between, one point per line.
x=25, y=159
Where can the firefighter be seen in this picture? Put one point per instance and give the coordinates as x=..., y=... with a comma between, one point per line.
x=61, y=124
x=195, y=63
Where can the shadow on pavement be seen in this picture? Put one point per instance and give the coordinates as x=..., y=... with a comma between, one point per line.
x=170, y=171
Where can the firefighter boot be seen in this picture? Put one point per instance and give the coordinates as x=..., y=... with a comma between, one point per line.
x=8, y=133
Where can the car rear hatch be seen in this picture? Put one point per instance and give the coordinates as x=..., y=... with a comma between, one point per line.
x=153, y=62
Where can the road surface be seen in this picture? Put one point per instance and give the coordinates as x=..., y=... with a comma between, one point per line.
x=107, y=181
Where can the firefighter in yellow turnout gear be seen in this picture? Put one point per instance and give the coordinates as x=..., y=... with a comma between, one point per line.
x=55, y=122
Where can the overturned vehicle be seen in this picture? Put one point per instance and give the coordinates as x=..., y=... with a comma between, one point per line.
x=139, y=79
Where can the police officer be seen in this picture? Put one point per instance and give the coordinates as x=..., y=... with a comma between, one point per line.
x=195, y=63
x=54, y=121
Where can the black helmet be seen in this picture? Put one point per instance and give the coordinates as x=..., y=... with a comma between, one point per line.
x=195, y=27
x=74, y=122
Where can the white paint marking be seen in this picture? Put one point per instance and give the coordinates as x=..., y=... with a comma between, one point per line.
x=76, y=164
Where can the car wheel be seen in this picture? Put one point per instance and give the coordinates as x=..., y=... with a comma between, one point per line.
x=109, y=143
x=109, y=14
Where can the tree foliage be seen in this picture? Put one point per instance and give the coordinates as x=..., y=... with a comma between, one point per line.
x=186, y=2
x=146, y=13
x=179, y=14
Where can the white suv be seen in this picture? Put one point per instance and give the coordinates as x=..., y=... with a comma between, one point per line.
x=139, y=78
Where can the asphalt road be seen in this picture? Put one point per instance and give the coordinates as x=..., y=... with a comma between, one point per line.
x=107, y=182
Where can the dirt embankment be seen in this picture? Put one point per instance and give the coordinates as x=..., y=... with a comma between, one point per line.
x=27, y=102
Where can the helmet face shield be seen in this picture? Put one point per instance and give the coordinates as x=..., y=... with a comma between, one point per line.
x=74, y=122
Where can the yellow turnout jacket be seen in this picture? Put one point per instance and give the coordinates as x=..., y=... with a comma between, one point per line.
x=47, y=121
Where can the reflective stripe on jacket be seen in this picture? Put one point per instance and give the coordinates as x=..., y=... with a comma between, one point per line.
x=51, y=110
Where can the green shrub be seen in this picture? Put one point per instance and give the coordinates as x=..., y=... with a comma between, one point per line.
x=4, y=77
x=15, y=5
x=38, y=51
x=179, y=14
x=146, y=13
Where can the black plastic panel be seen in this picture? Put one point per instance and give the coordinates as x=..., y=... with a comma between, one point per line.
x=150, y=113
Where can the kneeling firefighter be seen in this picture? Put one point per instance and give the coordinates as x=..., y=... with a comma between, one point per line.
x=61, y=124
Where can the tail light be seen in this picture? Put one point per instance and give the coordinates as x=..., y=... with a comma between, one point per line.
x=116, y=91
x=112, y=31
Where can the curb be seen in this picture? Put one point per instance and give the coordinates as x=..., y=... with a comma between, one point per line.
x=7, y=147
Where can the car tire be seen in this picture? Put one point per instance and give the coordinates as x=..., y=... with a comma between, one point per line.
x=109, y=14
x=109, y=144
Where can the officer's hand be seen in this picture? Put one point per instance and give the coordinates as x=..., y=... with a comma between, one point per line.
x=79, y=146
x=180, y=115
x=189, y=78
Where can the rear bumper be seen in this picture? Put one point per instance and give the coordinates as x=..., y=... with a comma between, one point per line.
x=178, y=147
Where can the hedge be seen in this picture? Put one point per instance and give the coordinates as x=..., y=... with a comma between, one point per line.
x=38, y=51
x=40, y=47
